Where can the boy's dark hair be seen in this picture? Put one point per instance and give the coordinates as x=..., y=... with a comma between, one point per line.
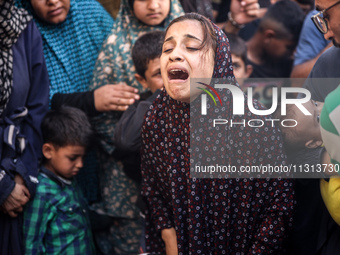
x=66, y=126
x=285, y=14
x=146, y=48
x=238, y=47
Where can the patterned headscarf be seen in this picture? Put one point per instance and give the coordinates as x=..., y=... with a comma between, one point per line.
x=12, y=22
x=114, y=63
x=72, y=46
x=212, y=216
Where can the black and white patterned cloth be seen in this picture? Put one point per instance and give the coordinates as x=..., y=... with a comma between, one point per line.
x=12, y=22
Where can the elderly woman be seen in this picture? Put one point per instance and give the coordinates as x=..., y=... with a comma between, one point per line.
x=187, y=215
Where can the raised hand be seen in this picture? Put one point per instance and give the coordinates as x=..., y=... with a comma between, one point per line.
x=114, y=97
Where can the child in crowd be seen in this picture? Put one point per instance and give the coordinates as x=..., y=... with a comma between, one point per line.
x=56, y=220
x=303, y=147
x=304, y=132
x=330, y=131
x=145, y=55
x=271, y=48
x=73, y=33
x=114, y=66
x=238, y=48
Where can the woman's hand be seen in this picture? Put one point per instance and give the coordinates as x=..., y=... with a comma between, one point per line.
x=16, y=200
x=170, y=240
x=114, y=97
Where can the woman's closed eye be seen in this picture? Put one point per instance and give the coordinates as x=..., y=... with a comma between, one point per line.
x=167, y=50
x=192, y=49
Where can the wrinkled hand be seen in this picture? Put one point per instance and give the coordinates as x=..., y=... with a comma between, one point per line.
x=244, y=11
x=114, y=97
x=16, y=200
x=170, y=240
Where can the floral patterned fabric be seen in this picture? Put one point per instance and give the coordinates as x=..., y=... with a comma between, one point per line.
x=114, y=64
x=221, y=215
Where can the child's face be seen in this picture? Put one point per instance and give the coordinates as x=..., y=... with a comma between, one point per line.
x=308, y=125
x=51, y=11
x=153, y=76
x=183, y=59
x=64, y=161
x=240, y=70
x=153, y=79
x=151, y=12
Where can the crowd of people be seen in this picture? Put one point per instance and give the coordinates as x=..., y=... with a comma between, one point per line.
x=101, y=127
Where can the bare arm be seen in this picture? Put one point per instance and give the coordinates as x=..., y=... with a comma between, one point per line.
x=170, y=240
x=303, y=70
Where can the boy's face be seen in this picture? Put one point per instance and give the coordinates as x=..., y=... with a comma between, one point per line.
x=308, y=125
x=153, y=79
x=64, y=161
x=240, y=70
x=53, y=12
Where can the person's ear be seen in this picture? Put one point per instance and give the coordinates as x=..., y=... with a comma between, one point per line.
x=249, y=70
x=311, y=144
x=48, y=150
x=141, y=80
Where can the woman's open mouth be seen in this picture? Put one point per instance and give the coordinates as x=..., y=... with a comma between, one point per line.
x=178, y=74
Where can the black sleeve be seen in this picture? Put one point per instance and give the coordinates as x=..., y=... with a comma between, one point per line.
x=81, y=100
x=129, y=128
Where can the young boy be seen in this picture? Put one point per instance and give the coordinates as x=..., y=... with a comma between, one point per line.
x=55, y=221
x=305, y=130
x=145, y=55
x=238, y=49
x=330, y=132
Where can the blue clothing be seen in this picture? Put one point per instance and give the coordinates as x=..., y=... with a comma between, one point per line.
x=311, y=41
x=30, y=90
x=71, y=48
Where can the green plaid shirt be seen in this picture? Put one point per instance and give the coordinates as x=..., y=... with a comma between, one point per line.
x=56, y=220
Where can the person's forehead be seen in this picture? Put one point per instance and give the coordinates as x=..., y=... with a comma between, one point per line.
x=236, y=58
x=188, y=27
